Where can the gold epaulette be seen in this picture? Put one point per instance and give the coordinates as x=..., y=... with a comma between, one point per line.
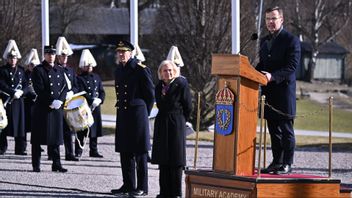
x=141, y=65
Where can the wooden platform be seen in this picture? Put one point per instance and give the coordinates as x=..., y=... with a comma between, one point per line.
x=203, y=183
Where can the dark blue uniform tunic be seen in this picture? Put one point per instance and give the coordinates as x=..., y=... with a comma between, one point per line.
x=12, y=78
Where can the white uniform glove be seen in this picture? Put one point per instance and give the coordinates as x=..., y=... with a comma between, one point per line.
x=69, y=95
x=18, y=94
x=56, y=104
x=96, y=102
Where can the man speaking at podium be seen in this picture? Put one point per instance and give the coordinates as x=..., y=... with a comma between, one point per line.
x=279, y=56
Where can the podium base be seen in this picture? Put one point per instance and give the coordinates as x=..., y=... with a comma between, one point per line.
x=205, y=183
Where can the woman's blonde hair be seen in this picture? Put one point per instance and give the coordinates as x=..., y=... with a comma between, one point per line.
x=174, y=68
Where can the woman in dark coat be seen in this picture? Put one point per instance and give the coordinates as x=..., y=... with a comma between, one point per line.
x=174, y=102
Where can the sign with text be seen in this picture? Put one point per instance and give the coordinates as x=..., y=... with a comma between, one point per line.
x=217, y=192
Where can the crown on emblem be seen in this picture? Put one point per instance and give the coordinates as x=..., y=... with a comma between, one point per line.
x=225, y=96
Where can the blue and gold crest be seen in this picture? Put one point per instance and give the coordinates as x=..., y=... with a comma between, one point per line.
x=224, y=111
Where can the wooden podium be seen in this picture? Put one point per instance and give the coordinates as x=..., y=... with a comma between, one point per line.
x=233, y=173
x=235, y=153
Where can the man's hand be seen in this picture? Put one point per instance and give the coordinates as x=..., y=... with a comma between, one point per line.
x=18, y=94
x=56, y=104
x=267, y=75
x=69, y=95
x=96, y=102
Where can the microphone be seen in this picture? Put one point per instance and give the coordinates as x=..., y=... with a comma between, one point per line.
x=254, y=36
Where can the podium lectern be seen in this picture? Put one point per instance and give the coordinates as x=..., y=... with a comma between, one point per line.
x=235, y=153
x=233, y=173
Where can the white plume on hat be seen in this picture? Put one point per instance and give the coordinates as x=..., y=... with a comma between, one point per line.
x=32, y=57
x=87, y=59
x=137, y=52
x=175, y=56
x=12, y=48
x=62, y=47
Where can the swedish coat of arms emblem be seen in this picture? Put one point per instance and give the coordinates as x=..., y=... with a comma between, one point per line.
x=224, y=111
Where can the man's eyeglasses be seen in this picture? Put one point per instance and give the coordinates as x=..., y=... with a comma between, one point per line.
x=272, y=19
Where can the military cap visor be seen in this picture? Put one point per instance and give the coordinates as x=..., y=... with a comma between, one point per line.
x=49, y=50
x=124, y=46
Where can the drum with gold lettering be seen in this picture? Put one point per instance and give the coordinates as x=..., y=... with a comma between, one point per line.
x=3, y=117
x=78, y=114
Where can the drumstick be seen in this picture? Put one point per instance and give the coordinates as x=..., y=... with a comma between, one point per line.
x=79, y=93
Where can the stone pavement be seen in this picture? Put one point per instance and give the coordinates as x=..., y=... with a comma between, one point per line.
x=95, y=177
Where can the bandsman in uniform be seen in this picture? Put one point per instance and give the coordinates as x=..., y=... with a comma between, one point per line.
x=135, y=97
x=13, y=85
x=63, y=51
x=95, y=95
x=47, y=128
x=31, y=61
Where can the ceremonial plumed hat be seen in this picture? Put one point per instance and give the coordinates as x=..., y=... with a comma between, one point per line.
x=62, y=47
x=124, y=46
x=175, y=56
x=137, y=53
x=11, y=50
x=50, y=49
x=87, y=59
x=32, y=58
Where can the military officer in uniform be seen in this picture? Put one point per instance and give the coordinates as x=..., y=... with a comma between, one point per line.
x=47, y=129
x=135, y=97
x=63, y=51
x=13, y=85
x=91, y=83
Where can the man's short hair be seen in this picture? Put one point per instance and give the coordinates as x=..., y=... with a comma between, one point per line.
x=271, y=9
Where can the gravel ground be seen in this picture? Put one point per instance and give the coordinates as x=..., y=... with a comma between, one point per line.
x=93, y=177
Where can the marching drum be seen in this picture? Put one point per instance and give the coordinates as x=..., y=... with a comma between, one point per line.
x=3, y=117
x=78, y=114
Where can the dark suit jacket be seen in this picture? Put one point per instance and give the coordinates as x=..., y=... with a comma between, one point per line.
x=281, y=60
x=135, y=97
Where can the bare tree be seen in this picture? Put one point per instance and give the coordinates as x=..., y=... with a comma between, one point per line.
x=323, y=21
x=67, y=12
x=19, y=21
x=198, y=28
x=345, y=38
